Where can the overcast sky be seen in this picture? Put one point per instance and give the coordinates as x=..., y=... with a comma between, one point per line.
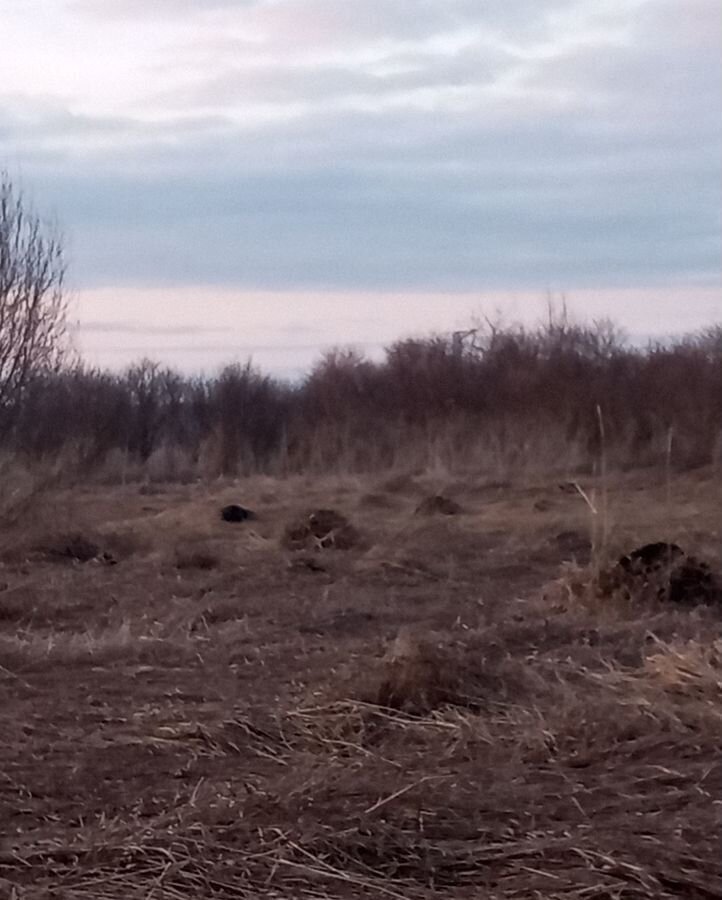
x=268, y=177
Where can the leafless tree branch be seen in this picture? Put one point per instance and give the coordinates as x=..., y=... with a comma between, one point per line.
x=33, y=306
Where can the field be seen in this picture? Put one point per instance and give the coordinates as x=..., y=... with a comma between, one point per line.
x=436, y=706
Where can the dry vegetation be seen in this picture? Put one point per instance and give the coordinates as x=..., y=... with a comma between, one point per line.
x=449, y=706
x=507, y=401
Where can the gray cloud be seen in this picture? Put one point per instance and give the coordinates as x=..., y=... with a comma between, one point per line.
x=88, y=326
x=46, y=123
x=273, y=83
x=338, y=19
x=517, y=154
x=158, y=9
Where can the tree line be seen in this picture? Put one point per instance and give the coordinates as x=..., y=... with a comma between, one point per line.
x=496, y=397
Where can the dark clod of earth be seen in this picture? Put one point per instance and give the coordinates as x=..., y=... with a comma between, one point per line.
x=236, y=513
x=668, y=572
x=76, y=547
x=657, y=554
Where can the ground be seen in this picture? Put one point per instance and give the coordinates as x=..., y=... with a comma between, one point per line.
x=442, y=708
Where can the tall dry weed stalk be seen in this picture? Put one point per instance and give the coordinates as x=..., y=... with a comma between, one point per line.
x=598, y=506
x=601, y=548
x=668, y=502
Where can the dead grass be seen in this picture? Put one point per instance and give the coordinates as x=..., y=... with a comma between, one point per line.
x=196, y=556
x=320, y=529
x=437, y=504
x=71, y=546
x=443, y=714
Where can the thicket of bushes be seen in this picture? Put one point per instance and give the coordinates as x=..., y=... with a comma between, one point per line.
x=494, y=400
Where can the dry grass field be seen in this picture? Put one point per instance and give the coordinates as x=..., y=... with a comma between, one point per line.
x=412, y=706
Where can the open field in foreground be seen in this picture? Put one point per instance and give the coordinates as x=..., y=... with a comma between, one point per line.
x=440, y=710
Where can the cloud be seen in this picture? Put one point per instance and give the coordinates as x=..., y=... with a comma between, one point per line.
x=440, y=144
x=514, y=206
x=103, y=10
x=269, y=81
x=264, y=325
x=133, y=328
x=327, y=21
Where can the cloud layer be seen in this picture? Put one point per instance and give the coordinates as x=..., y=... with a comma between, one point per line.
x=384, y=145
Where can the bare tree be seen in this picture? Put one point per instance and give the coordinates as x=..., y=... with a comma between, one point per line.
x=32, y=302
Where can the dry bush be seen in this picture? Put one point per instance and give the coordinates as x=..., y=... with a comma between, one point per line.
x=321, y=529
x=417, y=675
x=170, y=463
x=249, y=413
x=507, y=401
x=422, y=672
x=26, y=489
x=690, y=668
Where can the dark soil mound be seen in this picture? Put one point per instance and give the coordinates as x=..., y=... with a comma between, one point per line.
x=693, y=581
x=75, y=547
x=650, y=556
x=663, y=571
x=236, y=513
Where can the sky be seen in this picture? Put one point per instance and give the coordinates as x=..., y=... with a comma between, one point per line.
x=269, y=178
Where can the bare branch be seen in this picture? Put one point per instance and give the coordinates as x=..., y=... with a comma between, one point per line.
x=32, y=301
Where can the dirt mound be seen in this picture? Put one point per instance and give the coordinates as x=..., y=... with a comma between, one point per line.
x=651, y=556
x=74, y=546
x=693, y=581
x=321, y=529
x=437, y=505
x=573, y=544
x=236, y=513
x=663, y=571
